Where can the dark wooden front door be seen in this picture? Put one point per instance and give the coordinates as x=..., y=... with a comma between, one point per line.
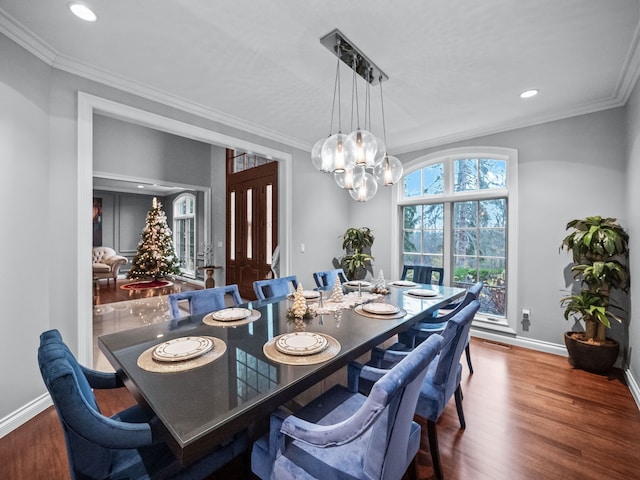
x=252, y=224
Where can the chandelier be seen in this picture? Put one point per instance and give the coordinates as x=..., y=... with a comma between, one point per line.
x=359, y=160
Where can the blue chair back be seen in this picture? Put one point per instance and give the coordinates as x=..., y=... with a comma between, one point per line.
x=204, y=301
x=422, y=274
x=328, y=277
x=91, y=438
x=275, y=287
x=343, y=434
x=441, y=383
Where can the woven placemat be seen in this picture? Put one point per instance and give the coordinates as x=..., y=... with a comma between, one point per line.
x=272, y=353
x=361, y=311
x=209, y=320
x=147, y=362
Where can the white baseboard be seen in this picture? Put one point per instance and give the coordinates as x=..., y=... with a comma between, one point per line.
x=24, y=414
x=539, y=345
x=633, y=386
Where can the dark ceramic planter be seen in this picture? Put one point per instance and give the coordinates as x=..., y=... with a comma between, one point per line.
x=590, y=357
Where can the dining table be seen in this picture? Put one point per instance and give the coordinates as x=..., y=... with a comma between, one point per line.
x=202, y=407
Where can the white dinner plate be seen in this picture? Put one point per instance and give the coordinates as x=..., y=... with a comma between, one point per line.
x=422, y=292
x=404, y=283
x=380, y=308
x=183, y=348
x=301, y=343
x=356, y=283
x=231, y=314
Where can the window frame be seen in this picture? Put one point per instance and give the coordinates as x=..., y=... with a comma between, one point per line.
x=177, y=217
x=448, y=156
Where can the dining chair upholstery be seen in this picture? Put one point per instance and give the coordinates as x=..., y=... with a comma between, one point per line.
x=275, y=287
x=204, y=301
x=429, y=326
x=442, y=380
x=125, y=445
x=344, y=434
x=328, y=277
x=422, y=274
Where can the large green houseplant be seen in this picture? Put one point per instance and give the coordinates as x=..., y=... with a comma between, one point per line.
x=599, y=247
x=357, y=260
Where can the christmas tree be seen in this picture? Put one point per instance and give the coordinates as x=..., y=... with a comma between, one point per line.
x=156, y=257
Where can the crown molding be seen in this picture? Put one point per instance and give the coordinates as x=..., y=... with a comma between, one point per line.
x=28, y=40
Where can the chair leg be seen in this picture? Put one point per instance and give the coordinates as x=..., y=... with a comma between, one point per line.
x=458, y=397
x=433, y=447
x=412, y=471
x=468, y=353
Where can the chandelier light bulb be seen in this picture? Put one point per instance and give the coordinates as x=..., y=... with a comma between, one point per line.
x=316, y=154
x=361, y=148
x=366, y=189
x=333, y=154
x=345, y=179
x=389, y=171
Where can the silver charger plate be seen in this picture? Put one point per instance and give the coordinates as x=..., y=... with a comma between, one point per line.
x=380, y=308
x=423, y=292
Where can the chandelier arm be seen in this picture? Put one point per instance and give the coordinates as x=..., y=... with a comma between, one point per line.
x=384, y=126
x=355, y=88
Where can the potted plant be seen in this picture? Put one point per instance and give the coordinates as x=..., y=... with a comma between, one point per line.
x=600, y=248
x=357, y=260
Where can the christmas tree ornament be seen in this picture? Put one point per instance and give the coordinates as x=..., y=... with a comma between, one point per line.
x=299, y=308
x=336, y=294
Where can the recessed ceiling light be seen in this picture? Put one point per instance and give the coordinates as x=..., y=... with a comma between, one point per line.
x=140, y=186
x=529, y=93
x=82, y=11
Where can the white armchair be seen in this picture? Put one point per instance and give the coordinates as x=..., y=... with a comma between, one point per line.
x=106, y=263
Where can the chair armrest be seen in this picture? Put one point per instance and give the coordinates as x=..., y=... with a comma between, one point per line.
x=357, y=371
x=102, y=380
x=276, y=437
x=114, y=260
x=337, y=434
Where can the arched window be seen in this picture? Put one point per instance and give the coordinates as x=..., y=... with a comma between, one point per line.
x=184, y=232
x=457, y=210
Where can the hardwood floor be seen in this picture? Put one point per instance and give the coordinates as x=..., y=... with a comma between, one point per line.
x=529, y=416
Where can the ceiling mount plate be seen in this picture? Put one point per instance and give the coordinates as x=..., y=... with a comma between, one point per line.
x=342, y=47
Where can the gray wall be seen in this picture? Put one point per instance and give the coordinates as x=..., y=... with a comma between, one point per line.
x=632, y=200
x=567, y=169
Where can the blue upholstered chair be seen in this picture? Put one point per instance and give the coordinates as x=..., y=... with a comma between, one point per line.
x=328, y=278
x=275, y=287
x=429, y=326
x=125, y=445
x=204, y=301
x=443, y=377
x=422, y=274
x=344, y=434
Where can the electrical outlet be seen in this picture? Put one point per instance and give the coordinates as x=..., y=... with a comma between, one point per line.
x=526, y=314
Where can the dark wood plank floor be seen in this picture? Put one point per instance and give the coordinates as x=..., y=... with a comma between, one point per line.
x=529, y=416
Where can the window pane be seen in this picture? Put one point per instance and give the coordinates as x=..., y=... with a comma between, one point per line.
x=433, y=241
x=412, y=241
x=493, y=173
x=249, y=223
x=465, y=214
x=433, y=261
x=269, y=215
x=412, y=187
x=465, y=173
x=408, y=259
x=433, y=179
x=413, y=217
x=492, y=242
x=493, y=213
x=232, y=226
x=465, y=242
x=434, y=216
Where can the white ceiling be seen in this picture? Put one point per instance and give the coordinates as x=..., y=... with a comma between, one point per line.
x=455, y=67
